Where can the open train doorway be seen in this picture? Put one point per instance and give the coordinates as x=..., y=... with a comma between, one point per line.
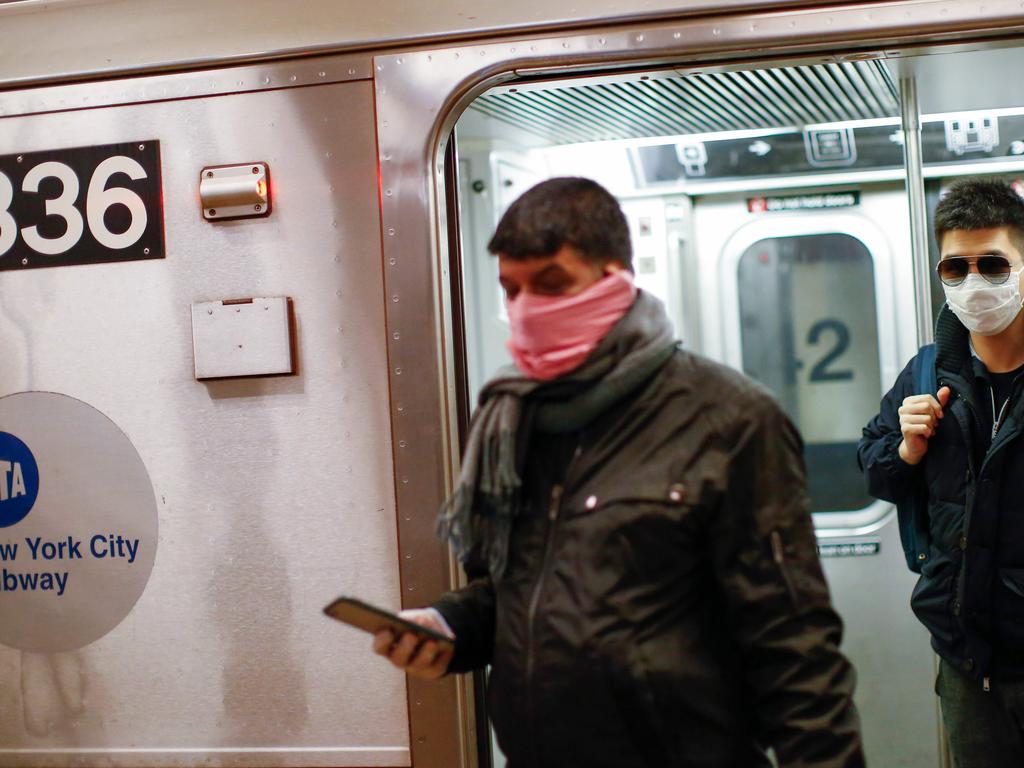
x=766, y=207
x=769, y=212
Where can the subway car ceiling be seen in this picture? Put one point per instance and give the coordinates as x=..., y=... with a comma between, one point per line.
x=710, y=130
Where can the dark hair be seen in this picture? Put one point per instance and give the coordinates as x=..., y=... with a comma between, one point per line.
x=980, y=204
x=574, y=211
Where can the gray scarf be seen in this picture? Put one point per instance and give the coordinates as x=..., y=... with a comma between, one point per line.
x=477, y=518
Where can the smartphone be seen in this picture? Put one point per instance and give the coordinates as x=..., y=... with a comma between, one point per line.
x=371, y=619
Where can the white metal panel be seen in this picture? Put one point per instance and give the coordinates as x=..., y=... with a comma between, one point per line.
x=274, y=495
x=962, y=82
x=268, y=76
x=121, y=35
x=241, y=338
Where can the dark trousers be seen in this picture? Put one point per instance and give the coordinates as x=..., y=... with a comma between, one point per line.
x=986, y=728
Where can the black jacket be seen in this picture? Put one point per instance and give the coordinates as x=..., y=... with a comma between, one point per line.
x=970, y=594
x=663, y=603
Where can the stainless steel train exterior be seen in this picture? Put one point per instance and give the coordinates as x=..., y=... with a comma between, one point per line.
x=359, y=295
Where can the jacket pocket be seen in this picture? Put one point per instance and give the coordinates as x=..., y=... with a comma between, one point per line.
x=635, y=535
x=933, y=598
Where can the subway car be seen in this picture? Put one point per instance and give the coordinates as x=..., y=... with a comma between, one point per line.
x=246, y=306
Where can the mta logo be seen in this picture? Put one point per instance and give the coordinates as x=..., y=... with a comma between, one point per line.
x=13, y=470
x=19, y=480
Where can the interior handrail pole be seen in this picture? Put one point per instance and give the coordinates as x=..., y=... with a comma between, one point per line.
x=913, y=163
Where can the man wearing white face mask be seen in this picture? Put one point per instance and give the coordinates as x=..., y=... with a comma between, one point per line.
x=633, y=518
x=947, y=449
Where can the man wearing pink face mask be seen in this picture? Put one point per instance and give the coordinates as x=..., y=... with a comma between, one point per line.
x=633, y=519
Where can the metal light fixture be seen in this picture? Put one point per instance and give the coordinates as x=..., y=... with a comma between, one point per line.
x=234, y=191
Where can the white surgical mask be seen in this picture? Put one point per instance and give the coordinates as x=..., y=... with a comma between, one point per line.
x=984, y=308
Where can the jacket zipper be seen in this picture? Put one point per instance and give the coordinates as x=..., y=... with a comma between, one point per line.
x=554, y=506
x=997, y=421
x=993, y=446
x=986, y=681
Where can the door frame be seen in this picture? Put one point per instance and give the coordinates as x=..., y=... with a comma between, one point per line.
x=419, y=96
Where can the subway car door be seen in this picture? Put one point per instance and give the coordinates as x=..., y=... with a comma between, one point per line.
x=815, y=303
x=213, y=390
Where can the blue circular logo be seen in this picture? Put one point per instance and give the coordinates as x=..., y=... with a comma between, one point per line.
x=19, y=480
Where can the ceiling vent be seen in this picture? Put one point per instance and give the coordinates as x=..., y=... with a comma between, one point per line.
x=698, y=103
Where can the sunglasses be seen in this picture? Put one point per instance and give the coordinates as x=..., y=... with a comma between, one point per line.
x=954, y=270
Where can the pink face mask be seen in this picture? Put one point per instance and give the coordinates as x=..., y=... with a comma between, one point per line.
x=552, y=335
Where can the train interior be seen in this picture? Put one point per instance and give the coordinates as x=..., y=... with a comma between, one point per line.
x=769, y=212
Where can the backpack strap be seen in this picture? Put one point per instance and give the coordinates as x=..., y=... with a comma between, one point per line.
x=925, y=377
x=913, y=511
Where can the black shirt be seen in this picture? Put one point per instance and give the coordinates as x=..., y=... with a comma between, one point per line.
x=1002, y=387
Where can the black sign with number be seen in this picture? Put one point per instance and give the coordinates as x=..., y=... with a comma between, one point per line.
x=81, y=206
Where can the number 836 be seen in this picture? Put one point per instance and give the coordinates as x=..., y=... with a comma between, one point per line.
x=97, y=200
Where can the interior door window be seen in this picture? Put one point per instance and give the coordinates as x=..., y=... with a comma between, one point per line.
x=809, y=333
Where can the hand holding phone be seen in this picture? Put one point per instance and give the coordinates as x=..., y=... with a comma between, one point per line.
x=414, y=640
x=426, y=659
